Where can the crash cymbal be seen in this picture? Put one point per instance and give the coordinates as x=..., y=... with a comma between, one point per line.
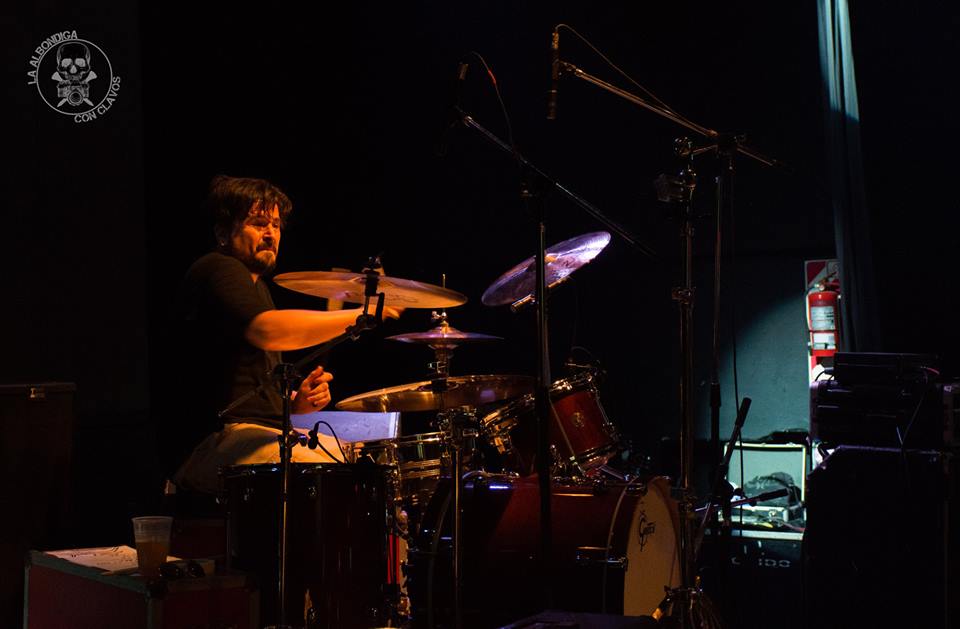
x=349, y=287
x=516, y=286
x=444, y=335
x=423, y=396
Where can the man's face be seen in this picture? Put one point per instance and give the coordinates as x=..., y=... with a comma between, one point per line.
x=256, y=241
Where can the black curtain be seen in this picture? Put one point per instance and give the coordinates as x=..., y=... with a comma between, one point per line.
x=844, y=165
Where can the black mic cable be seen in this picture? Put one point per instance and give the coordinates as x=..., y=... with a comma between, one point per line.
x=454, y=120
x=554, y=74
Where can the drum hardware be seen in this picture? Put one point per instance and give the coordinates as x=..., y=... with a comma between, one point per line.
x=348, y=287
x=454, y=398
x=612, y=473
x=686, y=606
x=533, y=183
x=461, y=425
x=587, y=556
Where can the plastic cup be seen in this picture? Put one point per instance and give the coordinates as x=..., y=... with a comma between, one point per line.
x=152, y=535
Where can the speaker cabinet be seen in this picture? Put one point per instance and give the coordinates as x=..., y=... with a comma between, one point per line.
x=879, y=539
x=36, y=423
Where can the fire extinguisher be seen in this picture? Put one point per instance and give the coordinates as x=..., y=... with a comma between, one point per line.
x=823, y=325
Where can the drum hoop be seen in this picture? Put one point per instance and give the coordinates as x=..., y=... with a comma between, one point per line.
x=577, y=382
x=246, y=470
x=601, y=454
x=375, y=444
x=415, y=465
x=433, y=472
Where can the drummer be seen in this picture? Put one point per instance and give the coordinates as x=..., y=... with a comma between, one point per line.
x=234, y=334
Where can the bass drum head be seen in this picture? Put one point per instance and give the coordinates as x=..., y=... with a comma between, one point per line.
x=652, y=551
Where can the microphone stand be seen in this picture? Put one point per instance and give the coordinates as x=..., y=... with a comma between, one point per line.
x=720, y=495
x=552, y=183
x=726, y=146
x=284, y=374
x=532, y=197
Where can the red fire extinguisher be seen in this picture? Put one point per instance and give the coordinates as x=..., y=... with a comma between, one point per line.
x=823, y=324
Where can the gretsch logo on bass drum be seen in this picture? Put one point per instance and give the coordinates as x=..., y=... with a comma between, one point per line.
x=645, y=529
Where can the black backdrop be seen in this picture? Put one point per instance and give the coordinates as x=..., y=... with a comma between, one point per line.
x=342, y=106
x=345, y=114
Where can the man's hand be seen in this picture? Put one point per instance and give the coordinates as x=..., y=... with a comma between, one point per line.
x=314, y=392
x=392, y=312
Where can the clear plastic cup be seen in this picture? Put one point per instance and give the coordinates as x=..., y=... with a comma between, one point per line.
x=152, y=536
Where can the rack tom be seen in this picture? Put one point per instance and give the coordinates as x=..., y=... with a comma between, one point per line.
x=580, y=430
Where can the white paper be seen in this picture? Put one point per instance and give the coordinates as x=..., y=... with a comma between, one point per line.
x=106, y=558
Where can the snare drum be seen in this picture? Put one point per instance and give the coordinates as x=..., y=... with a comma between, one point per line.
x=418, y=460
x=614, y=549
x=342, y=564
x=580, y=430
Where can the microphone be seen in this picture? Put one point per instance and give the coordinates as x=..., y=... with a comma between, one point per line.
x=554, y=75
x=314, y=440
x=441, y=149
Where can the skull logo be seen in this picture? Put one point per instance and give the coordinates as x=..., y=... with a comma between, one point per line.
x=73, y=74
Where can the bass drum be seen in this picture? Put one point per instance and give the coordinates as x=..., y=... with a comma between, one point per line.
x=614, y=550
x=341, y=568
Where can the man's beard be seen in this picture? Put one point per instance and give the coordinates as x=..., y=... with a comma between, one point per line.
x=262, y=264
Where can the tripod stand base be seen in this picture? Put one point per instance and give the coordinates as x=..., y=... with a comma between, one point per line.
x=687, y=608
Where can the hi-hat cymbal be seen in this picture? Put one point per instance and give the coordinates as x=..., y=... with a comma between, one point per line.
x=424, y=396
x=444, y=335
x=350, y=287
x=517, y=285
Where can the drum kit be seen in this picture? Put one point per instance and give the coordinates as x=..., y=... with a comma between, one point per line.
x=510, y=503
x=440, y=528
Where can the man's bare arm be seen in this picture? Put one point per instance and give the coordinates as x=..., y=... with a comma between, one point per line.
x=285, y=330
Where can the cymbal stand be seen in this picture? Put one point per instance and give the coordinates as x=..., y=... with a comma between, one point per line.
x=460, y=426
x=547, y=183
x=452, y=423
x=442, y=350
x=686, y=606
x=681, y=604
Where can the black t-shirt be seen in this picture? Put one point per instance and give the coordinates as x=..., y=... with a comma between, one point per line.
x=218, y=300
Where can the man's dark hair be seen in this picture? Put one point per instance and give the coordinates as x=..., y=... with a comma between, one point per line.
x=230, y=200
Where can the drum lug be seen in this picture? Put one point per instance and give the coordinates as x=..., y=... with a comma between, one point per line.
x=596, y=556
